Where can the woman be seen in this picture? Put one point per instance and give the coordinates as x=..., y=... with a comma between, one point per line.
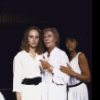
x=78, y=69
x=54, y=80
x=26, y=66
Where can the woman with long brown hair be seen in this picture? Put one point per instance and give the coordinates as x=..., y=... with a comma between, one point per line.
x=26, y=66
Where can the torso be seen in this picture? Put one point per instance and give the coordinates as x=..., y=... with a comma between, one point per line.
x=74, y=63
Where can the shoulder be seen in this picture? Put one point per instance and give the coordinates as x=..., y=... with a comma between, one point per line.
x=40, y=56
x=62, y=53
x=19, y=54
x=82, y=56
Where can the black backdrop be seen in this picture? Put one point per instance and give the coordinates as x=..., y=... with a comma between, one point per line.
x=69, y=16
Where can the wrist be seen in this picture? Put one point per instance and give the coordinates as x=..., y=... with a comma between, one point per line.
x=74, y=74
x=51, y=68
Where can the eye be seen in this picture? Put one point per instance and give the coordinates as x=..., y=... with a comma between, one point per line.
x=37, y=37
x=30, y=36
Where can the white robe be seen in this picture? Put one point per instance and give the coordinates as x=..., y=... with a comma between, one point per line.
x=52, y=88
x=25, y=67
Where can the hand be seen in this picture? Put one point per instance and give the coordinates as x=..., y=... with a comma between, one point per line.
x=67, y=70
x=46, y=65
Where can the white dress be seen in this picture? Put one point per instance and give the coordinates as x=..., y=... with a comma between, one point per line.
x=1, y=96
x=79, y=92
x=52, y=88
x=25, y=67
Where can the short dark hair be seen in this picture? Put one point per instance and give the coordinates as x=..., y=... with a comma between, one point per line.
x=74, y=35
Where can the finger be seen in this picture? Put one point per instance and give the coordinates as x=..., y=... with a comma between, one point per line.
x=41, y=60
x=68, y=65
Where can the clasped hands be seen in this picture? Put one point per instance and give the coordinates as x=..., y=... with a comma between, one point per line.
x=67, y=70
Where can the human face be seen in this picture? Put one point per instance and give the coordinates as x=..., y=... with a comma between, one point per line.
x=71, y=44
x=49, y=39
x=33, y=38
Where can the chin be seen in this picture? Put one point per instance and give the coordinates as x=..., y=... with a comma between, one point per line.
x=70, y=49
x=33, y=46
x=47, y=46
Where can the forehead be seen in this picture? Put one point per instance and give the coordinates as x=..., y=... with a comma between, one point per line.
x=48, y=33
x=70, y=39
x=33, y=32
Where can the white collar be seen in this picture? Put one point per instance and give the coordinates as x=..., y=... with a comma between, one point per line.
x=51, y=53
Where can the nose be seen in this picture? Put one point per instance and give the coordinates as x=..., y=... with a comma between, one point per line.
x=68, y=43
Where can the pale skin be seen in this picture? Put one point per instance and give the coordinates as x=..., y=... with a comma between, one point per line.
x=33, y=40
x=82, y=60
x=50, y=43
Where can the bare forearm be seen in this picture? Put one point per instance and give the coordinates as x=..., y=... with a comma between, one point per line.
x=18, y=95
x=81, y=77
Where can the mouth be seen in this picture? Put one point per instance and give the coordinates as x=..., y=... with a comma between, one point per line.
x=47, y=43
x=33, y=43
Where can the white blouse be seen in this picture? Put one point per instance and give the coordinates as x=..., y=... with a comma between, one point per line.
x=55, y=82
x=24, y=66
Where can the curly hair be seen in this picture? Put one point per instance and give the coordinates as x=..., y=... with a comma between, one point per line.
x=55, y=32
x=25, y=44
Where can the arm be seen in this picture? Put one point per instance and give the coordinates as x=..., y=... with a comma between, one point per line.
x=18, y=95
x=17, y=77
x=83, y=63
x=58, y=76
x=62, y=77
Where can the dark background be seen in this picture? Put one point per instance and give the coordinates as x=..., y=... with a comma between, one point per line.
x=69, y=16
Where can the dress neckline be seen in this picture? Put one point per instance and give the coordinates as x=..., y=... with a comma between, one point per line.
x=31, y=56
x=74, y=57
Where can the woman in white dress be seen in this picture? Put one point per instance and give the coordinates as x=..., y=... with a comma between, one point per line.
x=78, y=69
x=54, y=81
x=26, y=66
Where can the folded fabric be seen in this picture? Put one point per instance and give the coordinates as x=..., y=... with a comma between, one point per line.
x=59, y=77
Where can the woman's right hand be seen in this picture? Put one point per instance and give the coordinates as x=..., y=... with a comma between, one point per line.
x=18, y=95
x=67, y=70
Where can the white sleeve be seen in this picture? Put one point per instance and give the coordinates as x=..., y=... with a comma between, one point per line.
x=60, y=77
x=17, y=72
x=1, y=96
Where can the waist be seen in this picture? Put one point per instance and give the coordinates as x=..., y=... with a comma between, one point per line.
x=32, y=81
x=69, y=86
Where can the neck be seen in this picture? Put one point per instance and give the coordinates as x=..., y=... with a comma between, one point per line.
x=50, y=49
x=73, y=53
x=32, y=50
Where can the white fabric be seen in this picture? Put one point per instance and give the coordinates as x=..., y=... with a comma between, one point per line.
x=80, y=92
x=52, y=88
x=1, y=96
x=24, y=66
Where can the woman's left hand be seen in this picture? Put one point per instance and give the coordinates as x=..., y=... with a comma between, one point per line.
x=66, y=70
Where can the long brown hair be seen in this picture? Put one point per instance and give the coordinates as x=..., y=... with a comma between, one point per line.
x=25, y=44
